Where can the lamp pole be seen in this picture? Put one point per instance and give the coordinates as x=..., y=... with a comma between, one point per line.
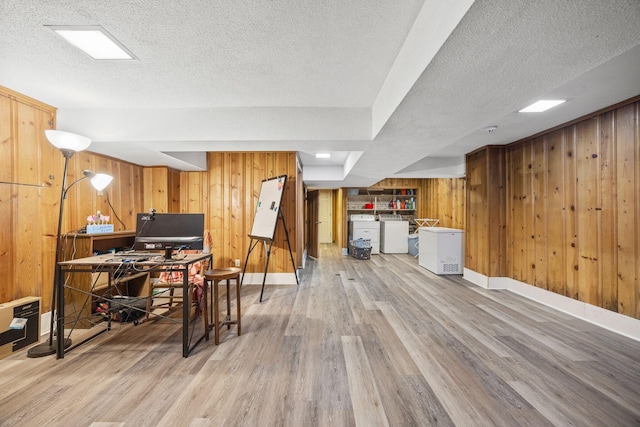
x=48, y=348
x=68, y=143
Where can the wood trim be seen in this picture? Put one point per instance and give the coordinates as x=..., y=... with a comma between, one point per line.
x=24, y=99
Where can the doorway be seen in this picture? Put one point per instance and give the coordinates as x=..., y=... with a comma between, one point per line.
x=325, y=217
x=313, y=208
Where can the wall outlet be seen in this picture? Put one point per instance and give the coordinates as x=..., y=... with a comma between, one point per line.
x=237, y=263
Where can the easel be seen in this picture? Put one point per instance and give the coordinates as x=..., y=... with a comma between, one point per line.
x=265, y=223
x=254, y=242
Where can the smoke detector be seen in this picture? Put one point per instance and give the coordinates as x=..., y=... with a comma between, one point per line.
x=491, y=129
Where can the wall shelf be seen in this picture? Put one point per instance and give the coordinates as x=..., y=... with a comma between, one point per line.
x=400, y=201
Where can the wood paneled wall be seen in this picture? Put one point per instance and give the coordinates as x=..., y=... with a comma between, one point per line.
x=444, y=199
x=571, y=206
x=228, y=193
x=485, y=237
x=29, y=213
x=162, y=189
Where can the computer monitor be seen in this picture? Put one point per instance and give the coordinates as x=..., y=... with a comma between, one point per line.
x=158, y=231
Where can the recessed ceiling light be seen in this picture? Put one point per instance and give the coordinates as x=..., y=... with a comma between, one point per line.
x=542, y=105
x=323, y=155
x=93, y=40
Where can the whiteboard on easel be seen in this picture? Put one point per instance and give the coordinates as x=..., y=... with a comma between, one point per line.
x=266, y=216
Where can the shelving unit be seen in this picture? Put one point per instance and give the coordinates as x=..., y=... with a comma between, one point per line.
x=395, y=201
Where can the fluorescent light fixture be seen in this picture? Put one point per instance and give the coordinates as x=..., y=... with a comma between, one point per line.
x=323, y=155
x=542, y=105
x=93, y=40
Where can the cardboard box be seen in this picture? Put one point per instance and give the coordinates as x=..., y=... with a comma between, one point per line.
x=19, y=324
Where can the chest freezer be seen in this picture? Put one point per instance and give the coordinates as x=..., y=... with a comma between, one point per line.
x=440, y=250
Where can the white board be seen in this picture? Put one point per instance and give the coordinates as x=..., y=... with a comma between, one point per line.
x=266, y=216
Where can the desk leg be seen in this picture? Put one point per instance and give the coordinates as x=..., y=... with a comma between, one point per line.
x=238, y=309
x=186, y=305
x=228, y=318
x=59, y=312
x=216, y=313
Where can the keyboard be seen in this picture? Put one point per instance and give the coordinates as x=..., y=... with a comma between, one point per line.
x=133, y=256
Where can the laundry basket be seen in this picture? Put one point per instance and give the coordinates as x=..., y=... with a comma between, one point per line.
x=361, y=248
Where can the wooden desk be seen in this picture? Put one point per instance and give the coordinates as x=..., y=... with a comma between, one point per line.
x=109, y=264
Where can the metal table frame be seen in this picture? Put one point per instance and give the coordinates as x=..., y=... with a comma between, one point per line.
x=108, y=263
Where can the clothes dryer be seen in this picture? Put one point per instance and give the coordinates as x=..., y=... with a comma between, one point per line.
x=365, y=226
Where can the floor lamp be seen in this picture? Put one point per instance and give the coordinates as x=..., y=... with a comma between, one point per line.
x=68, y=144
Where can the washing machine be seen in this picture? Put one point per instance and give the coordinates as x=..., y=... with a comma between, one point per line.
x=365, y=226
x=394, y=234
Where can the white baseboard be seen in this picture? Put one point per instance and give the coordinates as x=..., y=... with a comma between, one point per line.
x=619, y=323
x=272, y=279
x=476, y=278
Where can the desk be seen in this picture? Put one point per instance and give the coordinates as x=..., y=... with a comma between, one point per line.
x=107, y=263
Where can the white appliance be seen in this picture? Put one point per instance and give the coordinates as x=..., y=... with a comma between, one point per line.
x=365, y=226
x=394, y=234
x=440, y=250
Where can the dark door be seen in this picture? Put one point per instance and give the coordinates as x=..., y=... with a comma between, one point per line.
x=313, y=203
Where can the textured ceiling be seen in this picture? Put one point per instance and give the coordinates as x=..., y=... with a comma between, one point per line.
x=406, y=87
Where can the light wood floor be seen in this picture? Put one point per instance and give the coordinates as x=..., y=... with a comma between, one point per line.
x=367, y=343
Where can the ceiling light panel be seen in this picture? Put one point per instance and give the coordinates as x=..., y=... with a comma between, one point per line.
x=93, y=40
x=542, y=105
x=323, y=155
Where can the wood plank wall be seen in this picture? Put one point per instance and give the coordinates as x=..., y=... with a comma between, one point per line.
x=485, y=237
x=444, y=199
x=29, y=214
x=228, y=193
x=162, y=190
x=571, y=205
